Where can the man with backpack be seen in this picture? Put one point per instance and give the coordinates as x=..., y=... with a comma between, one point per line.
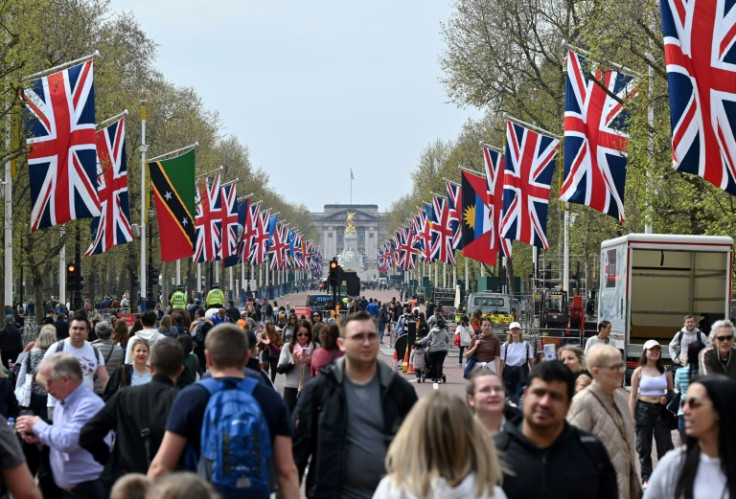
x=549, y=457
x=347, y=416
x=684, y=337
x=236, y=428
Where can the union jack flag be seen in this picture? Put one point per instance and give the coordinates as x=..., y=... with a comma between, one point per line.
x=62, y=155
x=530, y=162
x=278, y=246
x=494, y=165
x=259, y=243
x=443, y=248
x=595, y=143
x=699, y=51
x=208, y=221
x=245, y=219
x=230, y=224
x=298, y=250
x=455, y=203
x=407, y=248
x=424, y=234
x=112, y=227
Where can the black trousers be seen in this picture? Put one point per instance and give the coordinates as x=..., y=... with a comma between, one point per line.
x=650, y=421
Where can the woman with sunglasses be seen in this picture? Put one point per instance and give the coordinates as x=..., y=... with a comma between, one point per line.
x=720, y=357
x=288, y=332
x=706, y=465
x=647, y=403
x=295, y=362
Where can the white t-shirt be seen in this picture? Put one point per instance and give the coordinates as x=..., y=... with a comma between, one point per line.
x=89, y=360
x=514, y=354
x=709, y=481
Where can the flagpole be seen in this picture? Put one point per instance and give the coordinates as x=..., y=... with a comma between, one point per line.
x=115, y=118
x=60, y=67
x=351, y=186
x=180, y=151
x=614, y=65
x=211, y=172
x=9, y=228
x=492, y=148
x=466, y=169
x=178, y=272
x=532, y=127
x=143, y=98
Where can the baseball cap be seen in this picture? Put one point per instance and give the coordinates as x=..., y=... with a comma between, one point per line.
x=651, y=344
x=514, y=325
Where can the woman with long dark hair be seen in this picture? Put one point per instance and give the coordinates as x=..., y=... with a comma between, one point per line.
x=650, y=384
x=706, y=465
x=683, y=376
x=294, y=362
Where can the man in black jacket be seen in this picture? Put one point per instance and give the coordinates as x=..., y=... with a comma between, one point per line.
x=550, y=458
x=138, y=415
x=347, y=416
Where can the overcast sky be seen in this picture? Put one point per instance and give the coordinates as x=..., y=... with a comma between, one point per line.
x=315, y=88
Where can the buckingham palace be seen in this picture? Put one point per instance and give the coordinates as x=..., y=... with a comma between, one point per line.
x=369, y=224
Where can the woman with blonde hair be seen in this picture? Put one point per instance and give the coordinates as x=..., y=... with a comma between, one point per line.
x=574, y=358
x=441, y=451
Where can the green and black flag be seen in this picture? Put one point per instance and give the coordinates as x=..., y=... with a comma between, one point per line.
x=173, y=190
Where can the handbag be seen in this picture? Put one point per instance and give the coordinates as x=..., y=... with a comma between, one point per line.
x=674, y=404
x=23, y=393
x=457, y=340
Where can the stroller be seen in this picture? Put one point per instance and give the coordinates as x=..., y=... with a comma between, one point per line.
x=432, y=370
x=417, y=358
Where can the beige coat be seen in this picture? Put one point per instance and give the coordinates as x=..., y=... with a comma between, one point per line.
x=608, y=418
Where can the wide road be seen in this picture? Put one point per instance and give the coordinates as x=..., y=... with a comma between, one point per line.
x=455, y=382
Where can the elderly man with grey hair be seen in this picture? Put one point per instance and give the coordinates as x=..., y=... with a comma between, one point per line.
x=112, y=353
x=720, y=356
x=73, y=468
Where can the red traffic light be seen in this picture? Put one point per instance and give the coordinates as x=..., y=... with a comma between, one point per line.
x=71, y=268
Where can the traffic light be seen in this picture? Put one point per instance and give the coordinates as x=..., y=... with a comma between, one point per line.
x=333, y=272
x=152, y=278
x=71, y=277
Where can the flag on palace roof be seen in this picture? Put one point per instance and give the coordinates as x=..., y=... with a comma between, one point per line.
x=173, y=193
x=529, y=164
x=62, y=153
x=595, y=137
x=208, y=221
x=112, y=227
x=477, y=221
x=700, y=52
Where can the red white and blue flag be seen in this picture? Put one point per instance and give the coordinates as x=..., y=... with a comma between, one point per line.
x=407, y=248
x=529, y=165
x=62, y=153
x=230, y=224
x=245, y=219
x=595, y=137
x=494, y=169
x=454, y=200
x=208, y=221
x=278, y=246
x=112, y=227
x=259, y=243
x=443, y=249
x=700, y=54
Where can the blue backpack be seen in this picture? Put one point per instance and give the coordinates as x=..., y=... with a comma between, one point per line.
x=236, y=444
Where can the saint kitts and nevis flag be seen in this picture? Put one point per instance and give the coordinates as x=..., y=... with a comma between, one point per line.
x=173, y=192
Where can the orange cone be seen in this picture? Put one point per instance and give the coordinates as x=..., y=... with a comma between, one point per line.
x=405, y=365
x=394, y=363
x=411, y=367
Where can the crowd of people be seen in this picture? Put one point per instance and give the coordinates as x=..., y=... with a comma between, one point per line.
x=104, y=409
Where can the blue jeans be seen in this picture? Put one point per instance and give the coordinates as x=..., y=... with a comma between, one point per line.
x=681, y=427
x=381, y=330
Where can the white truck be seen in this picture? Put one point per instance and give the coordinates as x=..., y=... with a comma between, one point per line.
x=649, y=282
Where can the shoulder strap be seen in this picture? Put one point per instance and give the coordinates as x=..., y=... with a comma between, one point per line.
x=59, y=346
x=97, y=354
x=594, y=448
x=110, y=354
x=678, y=339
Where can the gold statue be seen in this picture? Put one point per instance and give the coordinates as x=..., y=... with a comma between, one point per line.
x=350, y=228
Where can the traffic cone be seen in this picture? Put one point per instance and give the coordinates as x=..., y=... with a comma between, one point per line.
x=411, y=367
x=394, y=363
x=405, y=365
